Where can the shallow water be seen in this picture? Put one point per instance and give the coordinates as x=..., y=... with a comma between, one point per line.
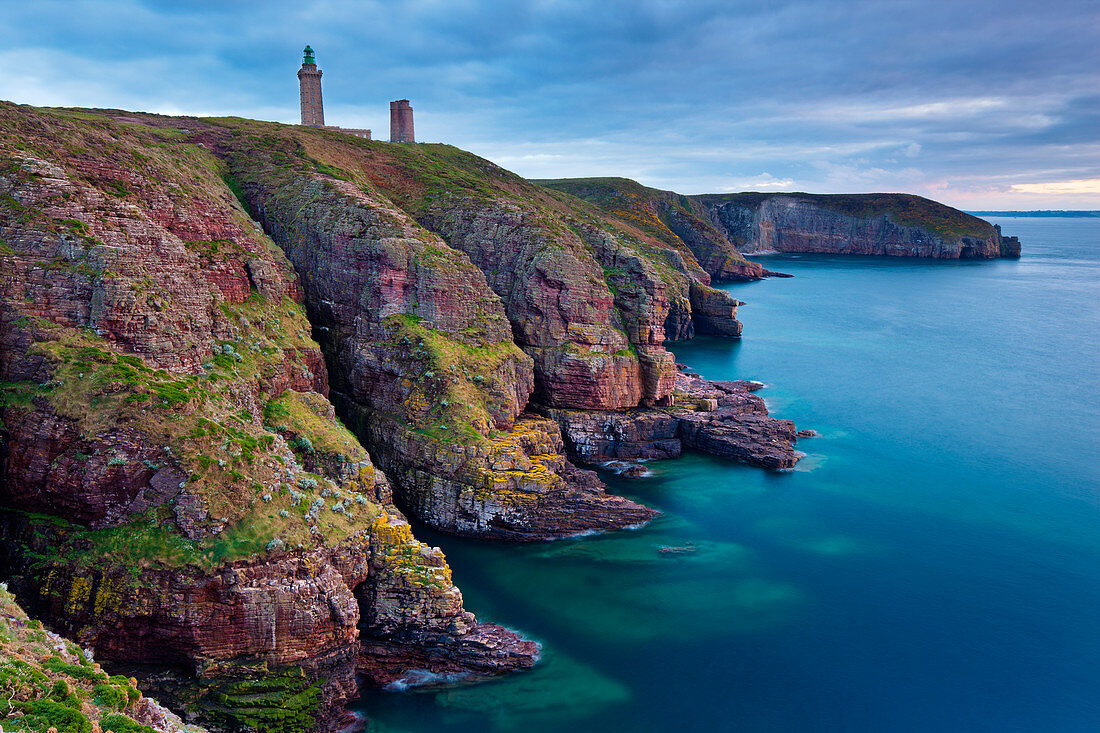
x=933, y=564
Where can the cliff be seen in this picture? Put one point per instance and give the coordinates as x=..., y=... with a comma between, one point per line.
x=177, y=491
x=671, y=218
x=50, y=683
x=900, y=225
x=233, y=353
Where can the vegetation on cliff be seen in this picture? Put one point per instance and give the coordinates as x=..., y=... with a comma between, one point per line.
x=724, y=222
x=175, y=486
x=669, y=217
x=49, y=683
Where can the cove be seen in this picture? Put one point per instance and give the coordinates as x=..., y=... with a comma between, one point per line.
x=932, y=564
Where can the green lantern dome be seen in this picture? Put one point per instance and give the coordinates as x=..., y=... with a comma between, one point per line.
x=308, y=57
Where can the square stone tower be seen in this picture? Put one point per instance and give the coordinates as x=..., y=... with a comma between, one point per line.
x=401, y=122
x=309, y=78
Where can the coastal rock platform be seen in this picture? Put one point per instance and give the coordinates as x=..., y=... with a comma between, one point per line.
x=721, y=418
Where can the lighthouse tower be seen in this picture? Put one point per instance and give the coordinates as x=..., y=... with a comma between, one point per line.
x=309, y=78
x=401, y=122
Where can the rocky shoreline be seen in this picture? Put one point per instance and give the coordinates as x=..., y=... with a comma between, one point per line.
x=237, y=358
x=720, y=418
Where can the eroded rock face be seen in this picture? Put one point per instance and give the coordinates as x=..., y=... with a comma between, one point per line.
x=870, y=225
x=518, y=486
x=176, y=490
x=714, y=311
x=416, y=631
x=364, y=261
x=422, y=356
x=559, y=301
x=720, y=418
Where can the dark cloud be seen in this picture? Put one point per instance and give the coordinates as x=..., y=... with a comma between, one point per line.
x=958, y=99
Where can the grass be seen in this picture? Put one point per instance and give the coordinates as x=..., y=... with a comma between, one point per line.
x=228, y=457
x=904, y=210
x=455, y=394
x=308, y=416
x=50, y=684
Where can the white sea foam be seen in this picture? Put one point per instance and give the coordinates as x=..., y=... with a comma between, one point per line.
x=421, y=678
x=577, y=535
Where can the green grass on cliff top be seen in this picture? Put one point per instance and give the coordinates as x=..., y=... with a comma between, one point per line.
x=426, y=179
x=903, y=209
x=49, y=683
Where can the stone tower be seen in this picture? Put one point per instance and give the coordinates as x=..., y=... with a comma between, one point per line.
x=309, y=77
x=401, y=122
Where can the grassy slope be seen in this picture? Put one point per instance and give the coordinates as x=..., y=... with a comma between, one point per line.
x=231, y=459
x=646, y=208
x=631, y=201
x=49, y=683
x=431, y=176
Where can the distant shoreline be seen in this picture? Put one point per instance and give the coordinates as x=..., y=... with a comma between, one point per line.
x=1045, y=214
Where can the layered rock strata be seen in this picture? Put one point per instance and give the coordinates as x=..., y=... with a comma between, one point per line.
x=719, y=418
x=416, y=631
x=515, y=486
x=898, y=225
x=177, y=491
x=423, y=361
x=50, y=683
x=720, y=228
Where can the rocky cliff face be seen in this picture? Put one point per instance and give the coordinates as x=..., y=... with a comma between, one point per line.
x=50, y=683
x=421, y=349
x=719, y=228
x=897, y=225
x=176, y=488
x=720, y=418
x=192, y=311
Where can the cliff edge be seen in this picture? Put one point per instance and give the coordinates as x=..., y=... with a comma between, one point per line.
x=236, y=355
x=716, y=226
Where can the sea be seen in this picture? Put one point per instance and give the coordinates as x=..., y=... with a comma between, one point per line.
x=931, y=565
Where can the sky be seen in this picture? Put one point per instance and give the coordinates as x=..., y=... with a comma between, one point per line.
x=981, y=104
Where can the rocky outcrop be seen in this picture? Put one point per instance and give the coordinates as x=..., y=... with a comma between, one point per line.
x=423, y=362
x=517, y=486
x=416, y=632
x=176, y=490
x=897, y=225
x=561, y=304
x=720, y=228
x=720, y=418
x=714, y=311
x=50, y=683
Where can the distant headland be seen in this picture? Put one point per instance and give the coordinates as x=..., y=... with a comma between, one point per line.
x=1042, y=214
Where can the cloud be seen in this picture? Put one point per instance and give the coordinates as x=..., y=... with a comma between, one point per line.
x=690, y=95
x=1060, y=187
x=764, y=180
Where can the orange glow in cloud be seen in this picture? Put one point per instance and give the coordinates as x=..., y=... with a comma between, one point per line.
x=1088, y=185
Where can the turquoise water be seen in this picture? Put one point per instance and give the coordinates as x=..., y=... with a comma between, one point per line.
x=932, y=565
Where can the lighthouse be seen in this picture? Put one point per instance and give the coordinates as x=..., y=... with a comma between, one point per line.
x=309, y=79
